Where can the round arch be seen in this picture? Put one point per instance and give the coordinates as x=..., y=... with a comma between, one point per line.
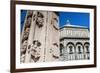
x=79, y=48
x=86, y=47
x=70, y=47
x=61, y=49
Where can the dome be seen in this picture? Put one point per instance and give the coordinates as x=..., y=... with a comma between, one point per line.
x=68, y=24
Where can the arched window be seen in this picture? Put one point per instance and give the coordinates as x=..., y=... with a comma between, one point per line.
x=70, y=48
x=71, y=51
x=86, y=47
x=79, y=48
x=61, y=49
x=86, y=50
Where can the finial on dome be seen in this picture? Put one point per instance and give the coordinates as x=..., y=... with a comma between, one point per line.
x=68, y=22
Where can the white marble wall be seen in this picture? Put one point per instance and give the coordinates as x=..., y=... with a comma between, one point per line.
x=74, y=32
x=75, y=42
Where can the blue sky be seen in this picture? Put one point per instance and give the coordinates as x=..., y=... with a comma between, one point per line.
x=75, y=18
x=23, y=14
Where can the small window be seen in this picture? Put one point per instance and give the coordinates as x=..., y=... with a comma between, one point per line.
x=70, y=48
x=87, y=49
x=79, y=49
x=61, y=49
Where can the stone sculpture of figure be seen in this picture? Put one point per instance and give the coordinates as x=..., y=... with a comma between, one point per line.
x=55, y=52
x=28, y=22
x=39, y=20
x=26, y=33
x=23, y=51
x=35, y=51
x=29, y=18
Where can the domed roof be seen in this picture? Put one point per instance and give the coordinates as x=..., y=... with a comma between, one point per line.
x=68, y=24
